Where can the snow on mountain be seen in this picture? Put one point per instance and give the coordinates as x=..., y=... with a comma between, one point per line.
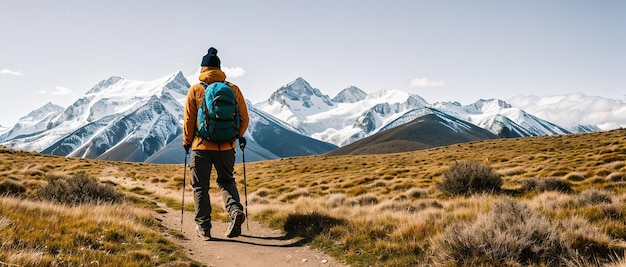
x=584, y=128
x=350, y=95
x=35, y=122
x=133, y=137
x=338, y=123
x=502, y=126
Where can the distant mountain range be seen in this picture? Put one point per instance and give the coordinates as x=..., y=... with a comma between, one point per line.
x=141, y=121
x=353, y=114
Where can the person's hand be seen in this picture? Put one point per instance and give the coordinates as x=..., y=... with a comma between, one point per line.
x=242, y=142
x=186, y=147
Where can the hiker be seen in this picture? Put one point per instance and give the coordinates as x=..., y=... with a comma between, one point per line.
x=206, y=153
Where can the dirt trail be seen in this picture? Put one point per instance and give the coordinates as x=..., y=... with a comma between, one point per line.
x=257, y=246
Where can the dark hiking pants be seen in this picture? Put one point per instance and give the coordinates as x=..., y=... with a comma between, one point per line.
x=200, y=163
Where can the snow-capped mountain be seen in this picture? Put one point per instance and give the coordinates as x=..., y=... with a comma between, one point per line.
x=342, y=121
x=117, y=119
x=120, y=119
x=110, y=114
x=501, y=119
x=354, y=115
x=33, y=123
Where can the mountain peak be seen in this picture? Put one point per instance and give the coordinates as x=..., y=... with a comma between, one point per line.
x=350, y=94
x=299, y=83
x=177, y=82
x=43, y=111
x=104, y=84
x=490, y=104
x=299, y=90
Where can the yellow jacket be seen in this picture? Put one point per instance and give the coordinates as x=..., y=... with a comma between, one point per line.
x=195, y=95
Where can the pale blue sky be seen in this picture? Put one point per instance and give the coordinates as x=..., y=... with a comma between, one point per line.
x=441, y=50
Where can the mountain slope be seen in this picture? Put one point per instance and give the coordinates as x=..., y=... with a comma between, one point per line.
x=33, y=123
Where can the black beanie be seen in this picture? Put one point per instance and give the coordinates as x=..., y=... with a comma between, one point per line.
x=211, y=59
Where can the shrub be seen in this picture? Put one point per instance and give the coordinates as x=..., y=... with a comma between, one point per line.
x=546, y=184
x=594, y=197
x=10, y=187
x=78, y=189
x=469, y=177
x=510, y=234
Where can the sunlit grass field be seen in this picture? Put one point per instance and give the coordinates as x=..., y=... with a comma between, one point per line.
x=561, y=203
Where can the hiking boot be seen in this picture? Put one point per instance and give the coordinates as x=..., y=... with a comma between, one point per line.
x=234, y=228
x=204, y=234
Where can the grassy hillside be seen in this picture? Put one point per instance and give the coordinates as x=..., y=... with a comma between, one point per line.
x=561, y=202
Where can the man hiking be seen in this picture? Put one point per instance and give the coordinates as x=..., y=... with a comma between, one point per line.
x=211, y=133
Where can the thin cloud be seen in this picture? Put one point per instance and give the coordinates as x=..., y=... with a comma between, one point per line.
x=425, y=82
x=11, y=72
x=59, y=90
x=234, y=72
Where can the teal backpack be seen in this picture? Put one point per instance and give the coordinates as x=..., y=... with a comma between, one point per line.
x=218, y=115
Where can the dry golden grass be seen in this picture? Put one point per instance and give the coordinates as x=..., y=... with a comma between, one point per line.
x=385, y=209
x=38, y=233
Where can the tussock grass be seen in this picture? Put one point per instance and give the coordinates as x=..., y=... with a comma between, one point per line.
x=387, y=210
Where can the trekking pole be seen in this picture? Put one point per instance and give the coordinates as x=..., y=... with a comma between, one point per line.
x=182, y=209
x=245, y=186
